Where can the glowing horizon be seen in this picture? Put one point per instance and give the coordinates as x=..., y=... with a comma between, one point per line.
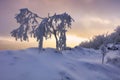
x=72, y=41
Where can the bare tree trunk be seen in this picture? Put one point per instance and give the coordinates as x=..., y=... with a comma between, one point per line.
x=57, y=47
x=65, y=40
x=103, y=56
x=41, y=43
x=55, y=35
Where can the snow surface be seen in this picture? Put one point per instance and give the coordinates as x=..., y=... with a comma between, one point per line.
x=76, y=64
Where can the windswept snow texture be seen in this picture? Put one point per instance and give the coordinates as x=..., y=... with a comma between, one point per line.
x=75, y=64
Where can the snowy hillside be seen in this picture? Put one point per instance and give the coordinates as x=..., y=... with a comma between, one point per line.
x=75, y=64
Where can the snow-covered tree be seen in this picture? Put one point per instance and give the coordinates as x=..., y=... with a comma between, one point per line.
x=117, y=35
x=29, y=23
x=59, y=24
x=41, y=31
x=104, y=51
x=25, y=18
x=95, y=42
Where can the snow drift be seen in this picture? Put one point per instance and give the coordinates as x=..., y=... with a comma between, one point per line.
x=75, y=64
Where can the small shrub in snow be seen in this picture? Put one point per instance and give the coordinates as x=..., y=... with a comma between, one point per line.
x=115, y=61
x=68, y=48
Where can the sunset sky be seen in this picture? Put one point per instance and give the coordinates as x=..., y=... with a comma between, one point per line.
x=92, y=17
